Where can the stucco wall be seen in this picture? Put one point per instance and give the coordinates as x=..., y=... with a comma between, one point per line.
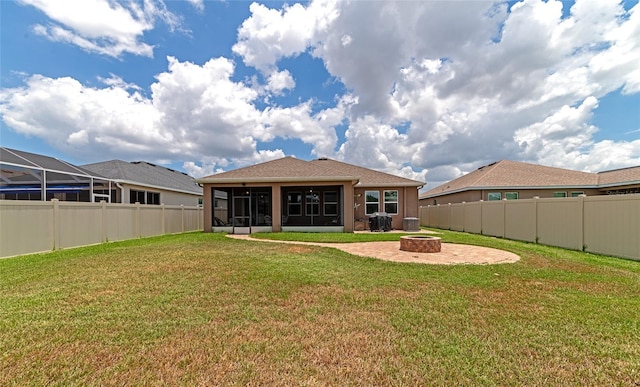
x=170, y=198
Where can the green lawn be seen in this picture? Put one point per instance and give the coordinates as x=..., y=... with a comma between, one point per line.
x=203, y=309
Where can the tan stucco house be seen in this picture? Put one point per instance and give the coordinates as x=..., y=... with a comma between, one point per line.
x=512, y=180
x=289, y=194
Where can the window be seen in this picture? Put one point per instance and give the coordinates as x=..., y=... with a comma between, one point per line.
x=153, y=198
x=575, y=194
x=312, y=204
x=331, y=203
x=559, y=194
x=294, y=203
x=391, y=202
x=372, y=202
x=144, y=197
x=511, y=195
x=494, y=196
x=136, y=196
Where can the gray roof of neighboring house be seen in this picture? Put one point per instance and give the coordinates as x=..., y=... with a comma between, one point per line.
x=291, y=169
x=36, y=161
x=146, y=174
x=515, y=174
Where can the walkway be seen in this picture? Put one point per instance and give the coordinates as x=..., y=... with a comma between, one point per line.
x=450, y=254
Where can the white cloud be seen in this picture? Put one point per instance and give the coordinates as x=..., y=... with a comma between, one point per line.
x=197, y=4
x=101, y=26
x=195, y=112
x=278, y=81
x=270, y=34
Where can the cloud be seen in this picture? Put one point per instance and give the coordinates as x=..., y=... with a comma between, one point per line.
x=195, y=112
x=104, y=27
x=270, y=34
x=197, y=4
x=278, y=81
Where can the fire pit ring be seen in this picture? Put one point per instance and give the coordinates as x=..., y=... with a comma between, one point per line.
x=420, y=244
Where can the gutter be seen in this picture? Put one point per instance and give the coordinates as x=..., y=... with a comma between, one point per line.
x=240, y=180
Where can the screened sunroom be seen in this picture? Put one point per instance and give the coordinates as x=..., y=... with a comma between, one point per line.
x=29, y=176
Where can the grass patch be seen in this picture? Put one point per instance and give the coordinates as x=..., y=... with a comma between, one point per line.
x=205, y=309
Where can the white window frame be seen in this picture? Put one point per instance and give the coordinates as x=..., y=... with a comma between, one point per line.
x=396, y=202
x=326, y=202
x=367, y=203
x=294, y=204
x=560, y=194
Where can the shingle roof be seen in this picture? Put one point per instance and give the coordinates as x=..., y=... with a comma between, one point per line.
x=290, y=169
x=514, y=174
x=146, y=174
x=616, y=176
x=368, y=177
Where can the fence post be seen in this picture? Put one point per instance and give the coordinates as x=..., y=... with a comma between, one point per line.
x=182, y=216
x=481, y=211
x=163, y=220
x=535, y=217
x=464, y=215
x=504, y=217
x=56, y=223
x=137, y=221
x=103, y=224
x=581, y=200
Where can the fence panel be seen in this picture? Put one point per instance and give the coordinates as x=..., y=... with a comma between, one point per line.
x=79, y=224
x=473, y=217
x=20, y=221
x=120, y=222
x=173, y=218
x=457, y=216
x=444, y=216
x=493, y=218
x=424, y=216
x=34, y=226
x=520, y=220
x=193, y=219
x=560, y=222
x=150, y=221
x=612, y=225
x=600, y=224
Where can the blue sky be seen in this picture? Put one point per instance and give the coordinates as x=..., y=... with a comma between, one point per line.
x=428, y=90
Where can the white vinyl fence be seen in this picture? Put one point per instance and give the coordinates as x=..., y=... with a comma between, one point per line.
x=34, y=226
x=607, y=225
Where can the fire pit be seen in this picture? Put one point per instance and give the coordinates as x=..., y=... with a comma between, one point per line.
x=420, y=244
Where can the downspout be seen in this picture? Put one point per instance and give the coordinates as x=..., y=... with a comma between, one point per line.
x=121, y=191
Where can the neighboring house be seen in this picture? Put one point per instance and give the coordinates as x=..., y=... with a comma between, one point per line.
x=147, y=183
x=517, y=180
x=30, y=176
x=290, y=194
